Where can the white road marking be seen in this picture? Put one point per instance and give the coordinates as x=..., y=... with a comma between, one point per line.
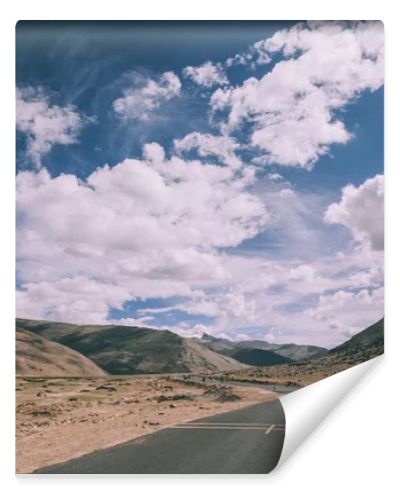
x=238, y=424
x=231, y=426
x=219, y=427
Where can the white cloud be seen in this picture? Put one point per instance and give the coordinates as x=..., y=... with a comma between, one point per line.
x=268, y=296
x=348, y=312
x=261, y=56
x=45, y=124
x=275, y=177
x=238, y=60
x=207, y=75
x=76, y=300
x=225, y=306
x=163, y=227
x=361, y=210
x=158, y=228
x=206, y=145
x=269, y=293
x=256, y=55
x=292, y=108
x=144, y=228
x=140, y=102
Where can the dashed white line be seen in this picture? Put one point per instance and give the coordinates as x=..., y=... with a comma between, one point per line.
x=231, y=426
x=235, y=424
x=219, y=427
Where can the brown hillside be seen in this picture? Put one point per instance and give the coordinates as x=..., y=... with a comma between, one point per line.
x=37, y=356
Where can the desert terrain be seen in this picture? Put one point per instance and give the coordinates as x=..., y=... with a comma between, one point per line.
x=82, y=388
x=62, y=418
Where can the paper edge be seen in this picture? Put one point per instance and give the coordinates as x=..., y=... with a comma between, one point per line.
x=308, y=407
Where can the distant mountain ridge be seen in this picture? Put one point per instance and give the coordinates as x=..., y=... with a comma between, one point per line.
x=365, y=345
x=51, y=346
x=249, y=350
x=133, y=350
x=260, y=357
x=206, y=337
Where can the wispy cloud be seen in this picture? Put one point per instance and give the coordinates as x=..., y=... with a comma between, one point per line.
x=207, y=145
x=141, y=100
x=45, y=124
x=207, y=75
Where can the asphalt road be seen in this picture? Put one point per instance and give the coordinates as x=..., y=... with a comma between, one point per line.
x=245, y=441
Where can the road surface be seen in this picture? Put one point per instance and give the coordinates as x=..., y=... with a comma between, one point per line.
x=245, y=441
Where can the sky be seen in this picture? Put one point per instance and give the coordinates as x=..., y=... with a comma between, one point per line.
x=219, y=177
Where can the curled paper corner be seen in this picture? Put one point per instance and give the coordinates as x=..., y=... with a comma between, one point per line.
x=308, y=407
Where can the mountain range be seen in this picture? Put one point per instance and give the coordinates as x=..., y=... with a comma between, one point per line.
x=261, y=353
x=133, y=350
x=62, y=349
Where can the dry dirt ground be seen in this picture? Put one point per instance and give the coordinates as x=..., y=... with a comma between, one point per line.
x=61, y=418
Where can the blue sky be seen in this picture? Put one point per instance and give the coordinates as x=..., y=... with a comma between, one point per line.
x=236, y=219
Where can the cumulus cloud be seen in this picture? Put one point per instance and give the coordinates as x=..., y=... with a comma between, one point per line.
x=207, y=75
x=256, y=55
x=361, y=211
x=140, y=102
x=45, y=124
x=348, y=312
x=241, y=59
x=266, y=295
x=221, y=147
x=181, y=230
x=159, y=227
x=225, y=306
x=143, y=228
x=275, y=177
x=70, y=299
x=291, y=109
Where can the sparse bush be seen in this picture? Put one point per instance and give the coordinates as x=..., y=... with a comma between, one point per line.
x=175, y=397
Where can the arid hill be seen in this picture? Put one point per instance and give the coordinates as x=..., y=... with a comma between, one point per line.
x=131, y=350
x=37, y=356
x=368, y=337
x=361, y=347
